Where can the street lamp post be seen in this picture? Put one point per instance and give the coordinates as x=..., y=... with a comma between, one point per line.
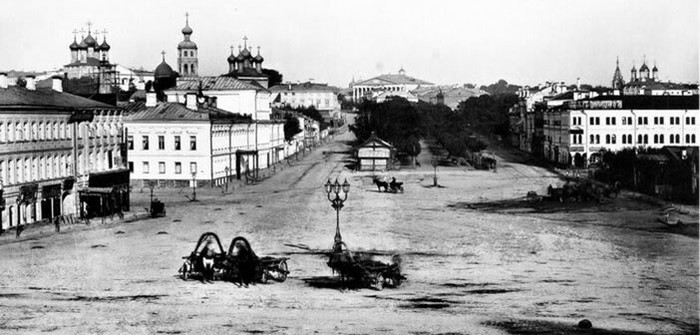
x=151, y=185
x=435, y=165
x=194, y=186
x=336, y=189
x=226, y=169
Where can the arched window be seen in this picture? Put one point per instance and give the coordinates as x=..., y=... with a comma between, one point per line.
x=661, y=138
x=639, y=139
x=646, y=139
x=597, y=139
x=2, y=132
x=656, y=138
x=607, y=139
x=678, y=138
x=692, y=138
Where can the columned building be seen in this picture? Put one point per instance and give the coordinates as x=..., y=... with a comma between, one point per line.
x=57, y=151
x=387, y=85
x=187, y=58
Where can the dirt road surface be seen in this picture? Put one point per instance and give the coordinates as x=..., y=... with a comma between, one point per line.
x=477, y=261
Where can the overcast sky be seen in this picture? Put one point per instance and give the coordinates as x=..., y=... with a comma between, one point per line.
x=445, y=42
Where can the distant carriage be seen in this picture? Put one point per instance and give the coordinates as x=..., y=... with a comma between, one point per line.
x=361, y=268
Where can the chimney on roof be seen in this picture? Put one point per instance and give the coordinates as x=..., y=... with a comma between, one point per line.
x=3, y=80
x=31, y=82
x=57, y=83
x=191, y=101
x=151, y=99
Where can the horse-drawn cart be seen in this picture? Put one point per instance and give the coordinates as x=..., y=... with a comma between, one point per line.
x=362, y=269
x=209, y=261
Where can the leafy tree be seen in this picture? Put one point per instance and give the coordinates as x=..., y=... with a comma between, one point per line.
x=291, y=127
x=500, y=87
x=273, y=77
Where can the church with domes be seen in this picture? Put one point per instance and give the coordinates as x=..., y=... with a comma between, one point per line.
x=90, y=59
x=247, y=67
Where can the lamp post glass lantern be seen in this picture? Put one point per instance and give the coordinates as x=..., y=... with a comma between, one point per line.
x=337, y=194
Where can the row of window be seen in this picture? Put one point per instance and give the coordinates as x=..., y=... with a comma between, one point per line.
x=146, y=167
x=641, y=139
x=186, y=53
x=641, y=120
x=47, y=131
x=16, y=171
x=161, y=142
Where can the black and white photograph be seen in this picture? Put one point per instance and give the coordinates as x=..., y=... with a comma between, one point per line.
x=506, y=167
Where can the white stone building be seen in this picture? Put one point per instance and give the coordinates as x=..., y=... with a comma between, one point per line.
x=576, y=131
x=175, y=143
x=322, y=97
x=44, y=166
x=386, y=85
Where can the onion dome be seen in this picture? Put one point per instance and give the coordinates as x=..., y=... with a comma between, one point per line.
x=90, y=41
x=186, y=44
x=259, y=58
x=187, y=30
x=74, y=45
x=634, y=68
x=655, y=69
x=82, y=45
x=231, y=58
x=644, y=67
x=163, y=70
x=105, y=46
x=245, y=53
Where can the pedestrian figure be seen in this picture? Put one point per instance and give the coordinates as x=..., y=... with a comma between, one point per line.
x=57, y=223
x=19, y=230
x=85, y=213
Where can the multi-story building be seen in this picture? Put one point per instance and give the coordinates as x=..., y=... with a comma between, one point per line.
x=58, y=150
x=386, y=85
x=576, y=131
x=322, y=97
x=178, y=144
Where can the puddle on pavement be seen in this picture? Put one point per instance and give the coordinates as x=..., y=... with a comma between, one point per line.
x=147, y=297
x=119, y=232
x=98, y=246
x=536, y=327
x=162, y=233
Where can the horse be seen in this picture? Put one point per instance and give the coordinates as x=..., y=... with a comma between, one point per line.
x=380, y=184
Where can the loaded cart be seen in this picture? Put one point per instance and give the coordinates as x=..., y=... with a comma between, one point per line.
x=209, y=261
x=197, y=264
x=363, y=270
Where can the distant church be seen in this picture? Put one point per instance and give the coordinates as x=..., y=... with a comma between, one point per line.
x=247, y=67
x=646, y=82
x=91, y=59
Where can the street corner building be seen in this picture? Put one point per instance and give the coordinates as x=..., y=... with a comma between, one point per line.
x=58, y=151
x=175, y=144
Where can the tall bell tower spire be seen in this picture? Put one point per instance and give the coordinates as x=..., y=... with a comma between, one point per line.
x=187, y=58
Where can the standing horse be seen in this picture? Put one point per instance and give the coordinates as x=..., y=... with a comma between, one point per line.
x=380, y=184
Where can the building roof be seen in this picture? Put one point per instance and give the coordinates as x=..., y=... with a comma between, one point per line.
x=221, y=83
x=652, y=101
x=375, y=141
x=246, y=72
x=170, y=111
x=14, y=96
x=303, y=87
x=402, y=94
x=89, y=61
x=392, y=79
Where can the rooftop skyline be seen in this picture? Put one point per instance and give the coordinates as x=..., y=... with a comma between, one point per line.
x=448, y=42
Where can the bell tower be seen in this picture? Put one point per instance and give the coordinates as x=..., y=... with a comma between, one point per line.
x=187, y=59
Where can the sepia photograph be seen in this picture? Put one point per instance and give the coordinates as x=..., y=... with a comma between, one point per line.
x=506, y=167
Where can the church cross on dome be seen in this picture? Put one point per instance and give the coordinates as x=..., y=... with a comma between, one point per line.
x=245, y=42
x=187, y=18
x=163, y=53
x=89, y=24
x=232, y=49
x=104, y=33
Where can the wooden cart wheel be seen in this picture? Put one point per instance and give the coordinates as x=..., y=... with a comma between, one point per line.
x=378, y=283
x=185, y=269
